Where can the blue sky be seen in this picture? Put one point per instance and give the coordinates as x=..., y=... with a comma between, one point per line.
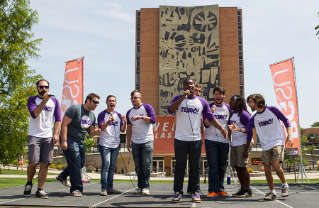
x=103, y=32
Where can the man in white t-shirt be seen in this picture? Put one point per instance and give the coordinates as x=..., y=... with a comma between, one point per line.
x=272, y=139
x=111, y=123
x=188, y=139
x=140, y=132
x=44, y=112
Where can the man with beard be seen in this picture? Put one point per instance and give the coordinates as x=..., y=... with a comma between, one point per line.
x=216, y=146
x=241, y=144
x=77, y=121
x=272, y=139
x=111, y=123
x=140, y=132
x=44, y=112
x=189, y=111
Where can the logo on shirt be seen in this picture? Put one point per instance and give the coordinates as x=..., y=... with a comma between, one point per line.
x=47, y=108
x=190, y=110
x=114, y=123
x=85, y=122
x=265, y=123
x=231, y=121
x=221, y=117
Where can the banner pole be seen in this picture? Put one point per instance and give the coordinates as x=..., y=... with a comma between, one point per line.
x=301, y=167
x=83, y=80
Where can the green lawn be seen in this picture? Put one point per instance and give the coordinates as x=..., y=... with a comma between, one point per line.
x=12, y=182
x=18, y=172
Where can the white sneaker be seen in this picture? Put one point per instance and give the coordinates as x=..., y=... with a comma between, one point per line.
x=285, y=191
x=104, y=192
x=138, y=191
x=145, y=191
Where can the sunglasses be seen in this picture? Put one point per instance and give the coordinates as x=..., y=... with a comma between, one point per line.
x=95, y=102
x=41, y=87
x=134, y=98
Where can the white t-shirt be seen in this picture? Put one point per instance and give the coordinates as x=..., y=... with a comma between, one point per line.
x=188, y=117
x=222, y=115
x=110, y=136
x=240, y=138
x=42, y=126
x=142, y=131
x=268, y=127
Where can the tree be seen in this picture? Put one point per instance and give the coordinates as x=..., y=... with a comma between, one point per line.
x=315, y=124
x=317, y=28
x=16, y=79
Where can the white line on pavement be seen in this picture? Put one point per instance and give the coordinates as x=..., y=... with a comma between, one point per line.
x=275, y=200
x=111, y=198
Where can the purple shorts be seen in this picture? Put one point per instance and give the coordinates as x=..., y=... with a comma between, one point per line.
x=40, y=150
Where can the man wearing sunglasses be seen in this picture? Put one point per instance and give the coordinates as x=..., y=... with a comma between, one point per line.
x=44, y=112
x=77, y=121
x=140, y=131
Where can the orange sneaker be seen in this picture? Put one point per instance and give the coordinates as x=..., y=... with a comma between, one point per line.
x=212, y=194
x=222, y=193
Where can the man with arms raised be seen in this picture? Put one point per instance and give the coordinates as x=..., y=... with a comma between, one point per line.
x=44, y=112
x=216, y=146
x=140, y=132
x=272, y=139
x=111, y=123
x=77, y=121
x=188, y=139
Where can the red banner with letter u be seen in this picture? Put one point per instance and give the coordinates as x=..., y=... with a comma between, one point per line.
x=282, y=74
x=72, y=92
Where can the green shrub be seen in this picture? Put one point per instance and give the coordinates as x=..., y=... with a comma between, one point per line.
x=89, y=169
x=64, y=166
x=57, y=163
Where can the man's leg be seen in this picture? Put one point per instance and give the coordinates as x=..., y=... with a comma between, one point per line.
x=136, y=151
x=46, y=158
x=146, y=163
x=222, y=158
x=212, y=152
x=195, y=151
x=114, y=155
x=31, y=170
x=270, y=179
x=240, y=176
x=180, y=148
x=42, y=174
x=105, y=157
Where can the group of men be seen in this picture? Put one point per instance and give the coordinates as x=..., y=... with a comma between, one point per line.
x=193, y=117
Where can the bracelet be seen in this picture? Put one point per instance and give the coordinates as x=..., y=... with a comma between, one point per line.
x=142, y=117
x=64, y=141
x=239, y=129
x=107, y=122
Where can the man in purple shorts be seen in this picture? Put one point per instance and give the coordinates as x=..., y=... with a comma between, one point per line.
x=44, y=112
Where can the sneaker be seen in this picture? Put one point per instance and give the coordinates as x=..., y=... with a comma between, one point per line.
x=239, y=192
x=103, y=192
x=145, y=191
x=137, y=191
x=196, y=198
x=212, y=194
x=285, y=191
x=222, y=193
x=65, y=183
x=177, y=197
x=76, y=193
x=27, y=189
x=247, y=192
x=41, y=194
x=270, y=196
x=113, y=191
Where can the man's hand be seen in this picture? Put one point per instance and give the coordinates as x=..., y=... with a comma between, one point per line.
x=55, y=138
x=46, y=97
x=224, y=132
x=135, y=118
x=110, y=119
x=232, y=127
x=290, y=141
x=128, y=145
x=186, y=92
x=123, y=117
x=96, y=132
x=64, y=145
x=245, y=154
x=213, y=108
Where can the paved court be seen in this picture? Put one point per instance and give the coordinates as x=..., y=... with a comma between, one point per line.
x=161, y=194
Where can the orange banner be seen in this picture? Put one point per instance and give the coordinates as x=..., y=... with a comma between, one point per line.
x=72, y=92
x=164, y=133
x=282, y=74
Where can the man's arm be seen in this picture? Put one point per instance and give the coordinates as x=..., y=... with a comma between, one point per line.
x=217, y=125
x=93, y=131
x=289, y=140
x=128, y=136
x=64, y=129
x=40, y=107
x=56, y=132
x=123, y=127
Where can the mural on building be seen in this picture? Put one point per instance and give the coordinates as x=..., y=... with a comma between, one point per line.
x=188, y=48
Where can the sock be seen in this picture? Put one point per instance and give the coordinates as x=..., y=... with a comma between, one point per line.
x=273, y=191
x=40, y=189
x=285, y=184
x=29, y=183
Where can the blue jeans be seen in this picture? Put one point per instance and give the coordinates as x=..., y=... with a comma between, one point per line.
x=194, y=149
x=142, y=154
x=75, y=157
x=109, y=157
x=216, y=153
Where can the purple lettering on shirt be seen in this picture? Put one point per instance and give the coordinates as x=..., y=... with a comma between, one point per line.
x=190, y=110
x=265, y=123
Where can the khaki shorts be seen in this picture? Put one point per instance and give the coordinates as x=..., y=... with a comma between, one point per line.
x=236, y=155
x=40, y=150
x=275, y=153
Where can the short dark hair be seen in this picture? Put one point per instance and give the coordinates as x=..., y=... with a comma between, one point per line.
x=134, y=91
x=219, y=89
x=41, y=81
x=91, y=96
x=110, y=97
x=187, y=80
x=258, y=99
